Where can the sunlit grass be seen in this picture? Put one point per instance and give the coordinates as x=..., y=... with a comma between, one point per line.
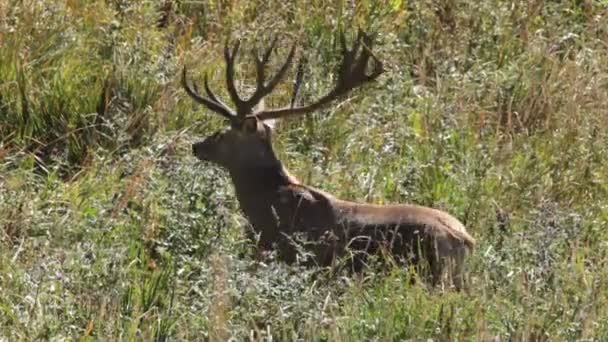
x=493, y=111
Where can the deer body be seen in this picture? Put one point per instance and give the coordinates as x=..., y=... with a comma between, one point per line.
x=281, y=210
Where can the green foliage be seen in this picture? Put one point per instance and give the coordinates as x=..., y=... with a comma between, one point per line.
x=110, y=230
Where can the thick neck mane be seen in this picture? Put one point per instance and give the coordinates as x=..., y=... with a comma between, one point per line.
x=257, y=189
x=260, y=180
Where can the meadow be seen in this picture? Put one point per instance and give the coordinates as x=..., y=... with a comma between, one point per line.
x=495, y=111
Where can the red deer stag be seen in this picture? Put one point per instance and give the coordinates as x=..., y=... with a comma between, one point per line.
x=280, y=208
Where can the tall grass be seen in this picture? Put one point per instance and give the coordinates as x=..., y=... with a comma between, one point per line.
x=493, y=111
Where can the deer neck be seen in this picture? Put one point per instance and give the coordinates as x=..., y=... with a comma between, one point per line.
x=256, y=189
x=260, y=181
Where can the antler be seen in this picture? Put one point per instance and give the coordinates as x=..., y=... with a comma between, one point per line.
x=213, y=103
x=245, y=107
x=351, y=74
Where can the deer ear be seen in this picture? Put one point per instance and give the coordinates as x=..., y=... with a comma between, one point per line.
x=250, y=125
x=271, y=123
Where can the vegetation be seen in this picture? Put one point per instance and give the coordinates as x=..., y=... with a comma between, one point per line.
x=494, y=111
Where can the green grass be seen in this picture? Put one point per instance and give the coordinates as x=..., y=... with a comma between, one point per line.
x=111, y=230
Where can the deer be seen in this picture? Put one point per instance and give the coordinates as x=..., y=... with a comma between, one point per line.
x=280, y=209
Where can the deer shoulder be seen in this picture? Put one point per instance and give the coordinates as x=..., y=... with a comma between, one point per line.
x=303, y=209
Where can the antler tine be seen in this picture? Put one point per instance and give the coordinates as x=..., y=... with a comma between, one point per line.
x=230, y=58
x=210, y=92
x=281, y=73
x=351, y=74
x=260, y=65
x=361, y=65
x=347, y=56
x=366, y=54
x=270, y=49
x=263, y=89
x=297, y=82
x=213, y=104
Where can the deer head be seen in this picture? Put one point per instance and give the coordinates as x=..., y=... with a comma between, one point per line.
x=246, y=143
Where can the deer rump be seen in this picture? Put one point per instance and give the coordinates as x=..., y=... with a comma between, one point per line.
x=331, y=232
